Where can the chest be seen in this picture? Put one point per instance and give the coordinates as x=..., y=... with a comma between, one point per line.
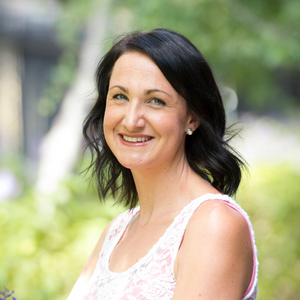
x=135, y=243
x=137, y=266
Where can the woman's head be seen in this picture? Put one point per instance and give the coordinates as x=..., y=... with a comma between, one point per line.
x=190, y=75
x=181, y=63
x=146, y=120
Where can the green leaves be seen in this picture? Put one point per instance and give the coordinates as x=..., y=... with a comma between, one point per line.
x=247, y=43
x=46, y=241
x=272, y=200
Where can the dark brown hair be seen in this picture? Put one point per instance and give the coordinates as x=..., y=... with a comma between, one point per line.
x=207, y=151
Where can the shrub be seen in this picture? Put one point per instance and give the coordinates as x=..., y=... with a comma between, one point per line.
x=45, y=241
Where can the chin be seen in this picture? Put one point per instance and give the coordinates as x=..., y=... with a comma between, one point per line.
x=132, y=163
x=136, y=165
x=133, y=166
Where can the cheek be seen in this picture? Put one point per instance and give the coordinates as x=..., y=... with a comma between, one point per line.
x=173, y=124
x=172, y=129
x=110, y=118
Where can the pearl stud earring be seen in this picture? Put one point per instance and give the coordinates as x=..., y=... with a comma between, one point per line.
x=189, y=131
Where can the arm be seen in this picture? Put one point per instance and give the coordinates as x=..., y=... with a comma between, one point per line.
x=215, y=260
x=88, y=268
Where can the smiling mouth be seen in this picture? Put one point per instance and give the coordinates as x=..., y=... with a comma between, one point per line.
x=136, y=139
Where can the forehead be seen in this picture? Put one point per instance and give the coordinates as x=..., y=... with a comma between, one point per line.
x=136, y=61
x=137, y=67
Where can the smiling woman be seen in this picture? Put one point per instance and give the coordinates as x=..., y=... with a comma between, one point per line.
x=156, y=133
x=145, y=119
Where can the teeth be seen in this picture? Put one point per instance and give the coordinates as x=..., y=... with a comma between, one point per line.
x=135, y=140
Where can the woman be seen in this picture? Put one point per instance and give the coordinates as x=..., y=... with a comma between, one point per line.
x=157, y=136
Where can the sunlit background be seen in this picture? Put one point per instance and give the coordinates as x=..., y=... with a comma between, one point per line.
x=50, y=219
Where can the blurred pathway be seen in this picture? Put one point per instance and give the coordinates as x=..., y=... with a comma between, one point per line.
x=266, y=140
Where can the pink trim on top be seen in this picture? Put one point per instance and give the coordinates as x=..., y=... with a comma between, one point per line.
x=182, y=239
x=253, y=249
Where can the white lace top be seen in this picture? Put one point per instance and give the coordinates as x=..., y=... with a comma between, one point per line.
x=152, y=277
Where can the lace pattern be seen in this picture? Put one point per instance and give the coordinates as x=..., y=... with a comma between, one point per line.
x=152, y=277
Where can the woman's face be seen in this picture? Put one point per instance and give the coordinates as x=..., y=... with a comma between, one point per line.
x=145, y=120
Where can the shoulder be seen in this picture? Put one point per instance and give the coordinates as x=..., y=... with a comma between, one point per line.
x=89, y=266
x=219, y=227
x=116, y=224
x=216, y=249
x=91, y=262
x=217, y=218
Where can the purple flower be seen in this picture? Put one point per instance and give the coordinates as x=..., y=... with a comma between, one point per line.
x=7, y=294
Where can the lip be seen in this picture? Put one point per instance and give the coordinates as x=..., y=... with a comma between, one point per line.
x=135, y=144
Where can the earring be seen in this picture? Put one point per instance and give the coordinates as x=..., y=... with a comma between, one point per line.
x=189, y=131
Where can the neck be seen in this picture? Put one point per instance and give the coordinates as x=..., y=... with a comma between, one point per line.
x=166, y=190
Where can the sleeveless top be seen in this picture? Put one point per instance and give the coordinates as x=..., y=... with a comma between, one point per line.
x=152, y=277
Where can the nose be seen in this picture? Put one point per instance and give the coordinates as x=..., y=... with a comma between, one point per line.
x=134, y=118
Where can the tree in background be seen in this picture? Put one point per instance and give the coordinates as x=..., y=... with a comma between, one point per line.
x=254, y=46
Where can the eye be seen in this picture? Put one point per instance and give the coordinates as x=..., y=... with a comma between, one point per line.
x=120, y=97
x=158, y=101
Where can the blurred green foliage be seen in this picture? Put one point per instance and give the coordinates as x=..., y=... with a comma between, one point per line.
x=70, y=29
x=254, y=46
x=44, y=243
x=272, y=200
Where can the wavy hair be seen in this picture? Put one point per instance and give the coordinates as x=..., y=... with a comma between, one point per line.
x=207, y=150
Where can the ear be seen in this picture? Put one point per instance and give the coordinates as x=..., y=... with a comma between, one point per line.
x=194, y=121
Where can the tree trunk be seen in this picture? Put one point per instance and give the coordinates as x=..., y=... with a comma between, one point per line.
x=62, y=144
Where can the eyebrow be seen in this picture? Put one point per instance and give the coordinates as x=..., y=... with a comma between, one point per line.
x=155, y=90
x=120, y=87
x=146, y=92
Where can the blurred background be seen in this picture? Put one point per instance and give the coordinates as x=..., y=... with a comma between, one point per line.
x=50, y=218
